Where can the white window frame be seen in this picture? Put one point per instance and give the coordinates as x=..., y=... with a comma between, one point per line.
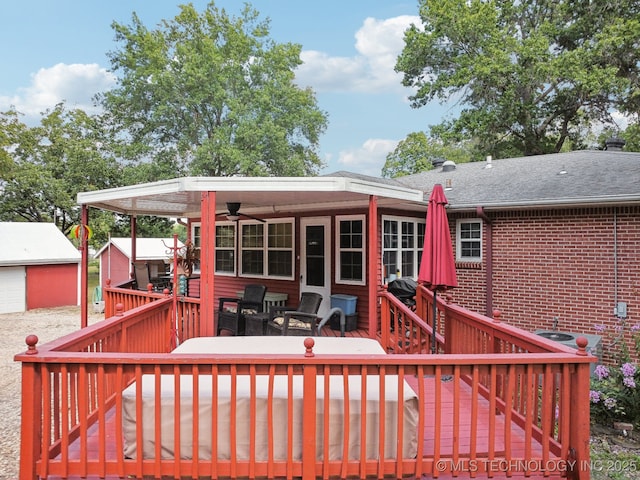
x=339, y=250
x=460, y=240
x=234, y=248
x=265, y=248
x=196, y=239
x=416, y=249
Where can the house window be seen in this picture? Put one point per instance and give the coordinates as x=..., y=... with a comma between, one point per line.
x=252, y=249
x=267, y=249
x=402, y=243
x=351, y=250
x=225, y=249
x=469, y=241
x=196, y=239
x=280, y=250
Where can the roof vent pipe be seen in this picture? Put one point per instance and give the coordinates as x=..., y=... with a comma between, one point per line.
x=614, y=144
x=448, y=166
x=489, y=164
x=437, y=162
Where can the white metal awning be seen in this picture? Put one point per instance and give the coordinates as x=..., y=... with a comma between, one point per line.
x=181, y=197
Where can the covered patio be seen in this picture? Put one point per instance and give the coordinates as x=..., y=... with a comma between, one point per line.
x=492, y=400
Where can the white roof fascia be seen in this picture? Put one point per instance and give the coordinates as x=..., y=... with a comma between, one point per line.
x=140, y=190
x=256, y=184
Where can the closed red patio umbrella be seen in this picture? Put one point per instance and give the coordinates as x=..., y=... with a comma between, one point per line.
x=437, y=266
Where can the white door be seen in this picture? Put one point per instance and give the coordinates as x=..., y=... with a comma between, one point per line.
x=315, y=259
x=13, y=288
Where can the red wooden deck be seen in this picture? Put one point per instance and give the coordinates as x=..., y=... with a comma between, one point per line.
x=506, y=440
x=514, y=407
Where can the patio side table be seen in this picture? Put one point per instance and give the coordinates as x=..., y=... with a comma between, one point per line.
x=271, y=299
x=256, y=324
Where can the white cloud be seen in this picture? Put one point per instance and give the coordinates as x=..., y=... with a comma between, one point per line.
x=74, y=84
x=621, y=120
x=369, y=158
x=378, y=44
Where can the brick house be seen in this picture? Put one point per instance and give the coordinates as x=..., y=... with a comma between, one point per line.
x=550, y=241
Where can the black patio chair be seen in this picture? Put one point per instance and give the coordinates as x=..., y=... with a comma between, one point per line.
x=301, y=320
x=232, y=311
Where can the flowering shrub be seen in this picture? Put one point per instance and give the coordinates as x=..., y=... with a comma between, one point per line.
x=614, y=395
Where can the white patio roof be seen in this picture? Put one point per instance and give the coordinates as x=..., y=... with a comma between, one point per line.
x=180, y=197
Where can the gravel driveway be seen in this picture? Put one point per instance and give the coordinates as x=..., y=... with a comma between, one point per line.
x=47, y=324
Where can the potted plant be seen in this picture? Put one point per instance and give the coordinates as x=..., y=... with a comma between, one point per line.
x=187, y=256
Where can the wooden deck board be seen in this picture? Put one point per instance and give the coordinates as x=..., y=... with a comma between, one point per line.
x=448, y=435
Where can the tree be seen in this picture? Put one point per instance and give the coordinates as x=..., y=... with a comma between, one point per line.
x=530, y=75
x=10, y=130
x=51, y=163
x=417, y=152
x=213, y=95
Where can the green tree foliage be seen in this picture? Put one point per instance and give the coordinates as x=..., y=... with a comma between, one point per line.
x=50, y=164
x=210, y=94
x=530, y=75
x=632, y=138
x=10, y=130
x=417, y=152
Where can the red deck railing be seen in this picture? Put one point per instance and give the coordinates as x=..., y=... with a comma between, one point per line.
x=499, y=398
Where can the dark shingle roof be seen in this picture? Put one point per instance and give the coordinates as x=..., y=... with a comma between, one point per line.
x=368, y=178
x=591, y=177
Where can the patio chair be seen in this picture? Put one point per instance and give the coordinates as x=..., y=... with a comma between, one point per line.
x=143, y=277
x=301, y=320
x=232, y=311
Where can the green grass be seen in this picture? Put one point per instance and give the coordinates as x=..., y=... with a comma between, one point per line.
x=93, y=279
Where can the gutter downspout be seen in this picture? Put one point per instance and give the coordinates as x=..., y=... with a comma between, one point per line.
x=489, y=256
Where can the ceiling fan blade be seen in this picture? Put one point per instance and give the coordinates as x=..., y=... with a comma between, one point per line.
x=254, y=218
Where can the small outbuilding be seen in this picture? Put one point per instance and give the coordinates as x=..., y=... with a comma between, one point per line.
x=116, y=256
x=39, y=267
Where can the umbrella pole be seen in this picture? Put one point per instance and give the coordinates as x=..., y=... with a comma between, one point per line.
x=435, y=322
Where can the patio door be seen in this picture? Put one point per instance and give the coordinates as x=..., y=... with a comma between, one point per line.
x=315, y=259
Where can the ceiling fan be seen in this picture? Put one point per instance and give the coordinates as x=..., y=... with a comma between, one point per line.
x=235, y=214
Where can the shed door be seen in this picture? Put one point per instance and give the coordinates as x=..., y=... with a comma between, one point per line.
x=315, y=261
x=12, y=286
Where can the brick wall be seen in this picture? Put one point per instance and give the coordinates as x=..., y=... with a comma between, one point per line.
x=560, y=263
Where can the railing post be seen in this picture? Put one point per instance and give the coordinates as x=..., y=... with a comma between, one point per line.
x=496, y=343
x=31, y=414
x=448, y=325
x=309, y=415
x=579, y=416
x=385, y=322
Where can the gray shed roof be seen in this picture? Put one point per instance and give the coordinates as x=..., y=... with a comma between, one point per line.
x=578, y=178
x=35, y=244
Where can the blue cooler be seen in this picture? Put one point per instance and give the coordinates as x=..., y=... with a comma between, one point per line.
x=346, y=303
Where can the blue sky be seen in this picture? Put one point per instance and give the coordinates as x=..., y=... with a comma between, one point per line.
x=56, y=50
